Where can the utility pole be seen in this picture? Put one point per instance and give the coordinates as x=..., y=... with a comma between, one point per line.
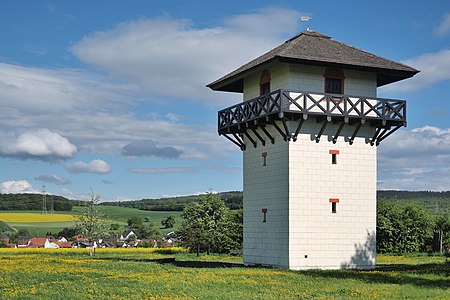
x=52, y=206
x=44, y=200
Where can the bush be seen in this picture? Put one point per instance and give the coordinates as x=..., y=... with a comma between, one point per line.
x=403, y=228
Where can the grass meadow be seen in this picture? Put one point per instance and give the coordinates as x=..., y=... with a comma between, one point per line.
x=120, y=215
x=135, y=274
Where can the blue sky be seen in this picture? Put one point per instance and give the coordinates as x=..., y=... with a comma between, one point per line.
x=111, y=95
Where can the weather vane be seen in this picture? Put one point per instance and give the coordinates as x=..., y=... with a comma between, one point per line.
x=306, y=19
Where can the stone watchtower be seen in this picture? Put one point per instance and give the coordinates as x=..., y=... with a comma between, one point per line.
x=308, y=128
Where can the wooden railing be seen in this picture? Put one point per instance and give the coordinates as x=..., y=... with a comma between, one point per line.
x=281, y=103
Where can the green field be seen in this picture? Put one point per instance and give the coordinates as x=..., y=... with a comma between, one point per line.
x=114, y=214
x=135, y=274
x=121, y=214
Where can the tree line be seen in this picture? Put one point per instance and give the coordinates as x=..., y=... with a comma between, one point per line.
x=233, y=200
x=34, y=202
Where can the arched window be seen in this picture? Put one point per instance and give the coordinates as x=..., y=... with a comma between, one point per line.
x=264, y=83
x=334, y=81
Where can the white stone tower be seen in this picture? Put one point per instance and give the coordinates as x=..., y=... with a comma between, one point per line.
x=308, y=127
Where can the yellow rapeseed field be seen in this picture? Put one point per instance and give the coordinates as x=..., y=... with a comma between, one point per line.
x=17, y=217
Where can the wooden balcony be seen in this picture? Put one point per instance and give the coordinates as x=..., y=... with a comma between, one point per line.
x=386, y=115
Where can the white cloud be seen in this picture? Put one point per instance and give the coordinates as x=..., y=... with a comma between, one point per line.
x=434, y=68
x=108, y=133
x=172, y=117
x=38, y=144
x=17, y=187
x=173, y=58
x=95, y=166
x=416, y=159
x=444, y=27
x=39, y=90
x=156, y=56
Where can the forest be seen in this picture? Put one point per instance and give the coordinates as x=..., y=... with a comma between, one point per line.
x=233, y=200
x=35, y=202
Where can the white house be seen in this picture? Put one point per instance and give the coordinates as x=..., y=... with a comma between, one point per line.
x=126, y=235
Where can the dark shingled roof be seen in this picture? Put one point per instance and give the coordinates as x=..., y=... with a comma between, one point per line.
x=313, y=48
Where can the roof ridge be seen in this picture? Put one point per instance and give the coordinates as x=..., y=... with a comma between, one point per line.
x=309, y=33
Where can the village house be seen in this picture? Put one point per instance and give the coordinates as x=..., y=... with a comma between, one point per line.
x=23, y=242
x=127, y=234
x=38, y=243
x=64, y=244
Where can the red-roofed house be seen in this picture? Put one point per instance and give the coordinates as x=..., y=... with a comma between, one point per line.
x=63, y=244
x=39, y=243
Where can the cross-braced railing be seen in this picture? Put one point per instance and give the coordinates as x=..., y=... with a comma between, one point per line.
x=288, y=104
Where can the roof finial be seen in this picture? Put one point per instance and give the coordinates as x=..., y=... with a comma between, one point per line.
x=306, y=19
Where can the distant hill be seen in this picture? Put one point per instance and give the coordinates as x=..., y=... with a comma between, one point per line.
x=232, y=199
x=433, y=201
x=412, y=194
x=34, y=202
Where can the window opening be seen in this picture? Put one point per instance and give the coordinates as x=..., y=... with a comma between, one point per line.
x=333, y=86
x=264, y=83
x=334, y=154
x=334, y=202
x=334, y=159
x=334, y=81
x=264, y=211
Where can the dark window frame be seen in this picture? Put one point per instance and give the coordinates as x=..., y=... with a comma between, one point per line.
x=264, y=83
x=334, y=159
x=333, y=74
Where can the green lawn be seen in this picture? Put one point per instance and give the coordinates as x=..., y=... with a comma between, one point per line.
x=122, y=214
x=40, y=229
x=136, y=274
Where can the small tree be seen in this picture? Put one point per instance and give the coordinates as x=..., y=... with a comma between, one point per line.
x=90, y=222
x=204, y=223
x=68, y=233
x=114, y=226
x=443, y=223
x=23, y=232
x=135, y=222
x=148, y=231
x=233, y=235
x=168, y=222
